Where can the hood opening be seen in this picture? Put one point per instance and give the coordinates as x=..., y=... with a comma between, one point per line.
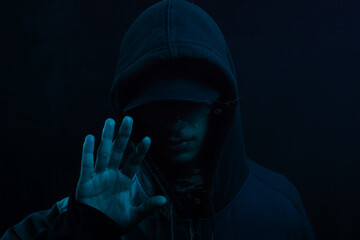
x=197, y=69
x=178, y=37
x=222, y=119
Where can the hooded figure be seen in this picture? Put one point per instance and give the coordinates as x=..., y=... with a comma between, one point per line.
x=174, y=51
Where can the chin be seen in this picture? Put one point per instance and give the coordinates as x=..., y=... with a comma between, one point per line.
x=182, y=158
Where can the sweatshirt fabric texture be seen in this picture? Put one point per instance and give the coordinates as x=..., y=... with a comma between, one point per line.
x=241, y=200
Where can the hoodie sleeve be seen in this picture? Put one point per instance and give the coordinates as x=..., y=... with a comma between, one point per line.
x=67, y=219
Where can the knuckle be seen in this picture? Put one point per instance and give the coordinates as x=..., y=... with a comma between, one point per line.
x=119, y=146
x=117, y=151
x=141, y=149
x=104, y=154
x=124, y=134
x=107, y=138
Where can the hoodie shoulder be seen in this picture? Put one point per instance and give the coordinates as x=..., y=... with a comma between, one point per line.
x=277, y=184
x=274, y=181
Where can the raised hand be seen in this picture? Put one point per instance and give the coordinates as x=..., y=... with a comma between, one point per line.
x=107, y=188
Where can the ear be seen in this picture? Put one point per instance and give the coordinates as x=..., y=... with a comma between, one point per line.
x=216, y=108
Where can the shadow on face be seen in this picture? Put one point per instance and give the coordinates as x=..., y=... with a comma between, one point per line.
x=168, y=121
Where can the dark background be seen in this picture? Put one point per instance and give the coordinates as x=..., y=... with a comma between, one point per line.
x=297, y=64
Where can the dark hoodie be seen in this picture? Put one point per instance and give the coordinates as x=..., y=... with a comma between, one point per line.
x=243, y=200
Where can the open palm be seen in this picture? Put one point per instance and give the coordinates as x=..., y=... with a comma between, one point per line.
x=105, y=186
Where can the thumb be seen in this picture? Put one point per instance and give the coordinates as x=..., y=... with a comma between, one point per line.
x=148, y=207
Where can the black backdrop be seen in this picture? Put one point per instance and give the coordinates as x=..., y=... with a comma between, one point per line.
x=297, y=64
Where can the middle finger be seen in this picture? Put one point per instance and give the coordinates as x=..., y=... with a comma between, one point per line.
x=121, y=142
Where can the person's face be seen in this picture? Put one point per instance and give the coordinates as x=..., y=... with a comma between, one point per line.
x=167, y=123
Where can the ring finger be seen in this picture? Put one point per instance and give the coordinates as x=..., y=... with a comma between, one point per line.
x=104, y=151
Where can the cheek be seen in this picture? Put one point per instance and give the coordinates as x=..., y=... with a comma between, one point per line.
x=202, y=126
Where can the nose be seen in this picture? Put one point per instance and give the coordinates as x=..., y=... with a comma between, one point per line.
x=174, y=124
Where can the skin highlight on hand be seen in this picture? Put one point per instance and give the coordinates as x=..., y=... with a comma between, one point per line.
x=106, y=187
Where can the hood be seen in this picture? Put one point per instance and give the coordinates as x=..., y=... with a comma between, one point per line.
x=180, y=36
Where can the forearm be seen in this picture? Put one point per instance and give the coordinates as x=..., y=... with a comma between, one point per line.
x=77, y=221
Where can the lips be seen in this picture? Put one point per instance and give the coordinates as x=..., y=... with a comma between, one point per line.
x=178, y=145
x=178, y=141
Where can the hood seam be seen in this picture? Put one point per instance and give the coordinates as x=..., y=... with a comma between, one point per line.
x=168, y=29
x=178, y=44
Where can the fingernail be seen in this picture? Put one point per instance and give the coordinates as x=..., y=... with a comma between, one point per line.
x=147, y=138
x=109, y=123
x=127, y=120
x=163, y=201
x=89, y=138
